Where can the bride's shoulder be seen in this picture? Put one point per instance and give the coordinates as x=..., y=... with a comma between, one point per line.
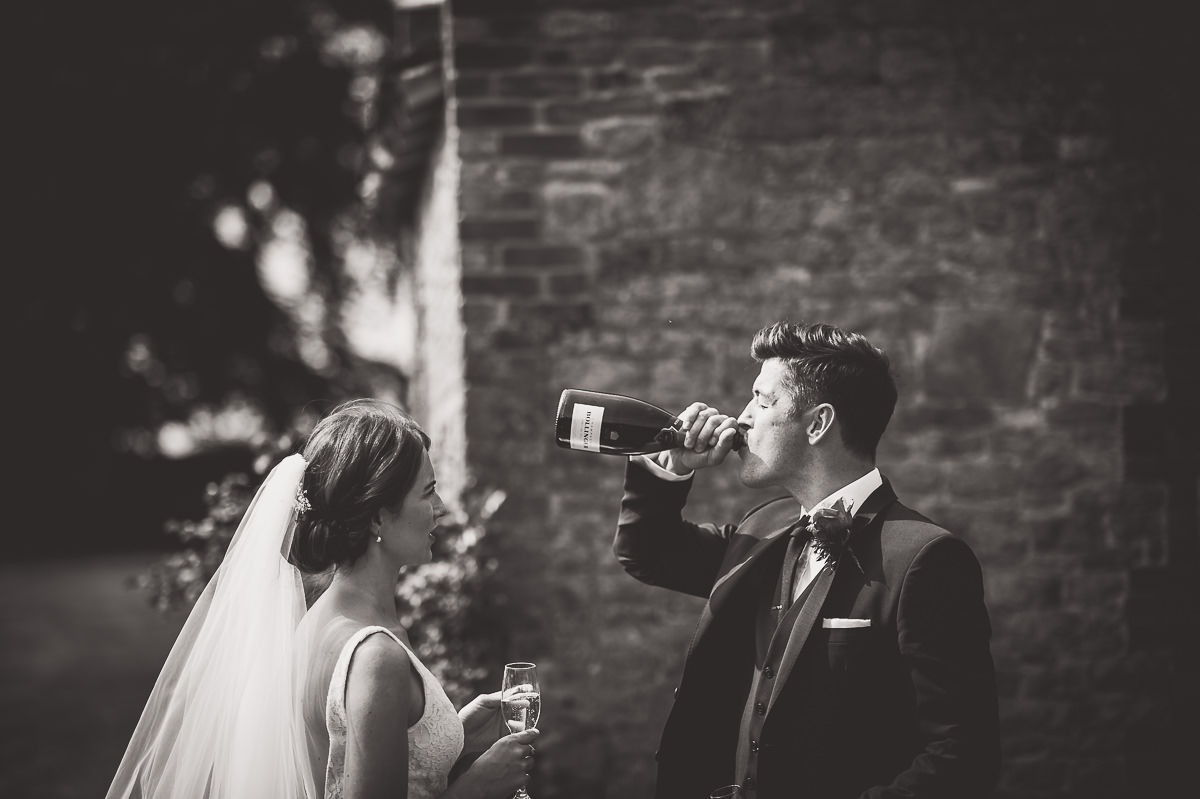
x=376, y=657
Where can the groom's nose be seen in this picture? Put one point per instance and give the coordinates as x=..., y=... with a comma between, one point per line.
x=746, y=419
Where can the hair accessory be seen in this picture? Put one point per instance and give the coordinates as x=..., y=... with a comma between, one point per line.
x=302, y=503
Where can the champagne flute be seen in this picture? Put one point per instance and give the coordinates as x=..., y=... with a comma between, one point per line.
x=521, y=701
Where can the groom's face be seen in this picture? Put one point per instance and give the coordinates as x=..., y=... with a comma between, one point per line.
x=776, y=447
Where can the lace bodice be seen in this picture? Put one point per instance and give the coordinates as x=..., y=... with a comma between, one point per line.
x=434, y=742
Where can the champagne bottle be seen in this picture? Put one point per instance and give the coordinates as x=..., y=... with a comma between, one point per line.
x=613, y=424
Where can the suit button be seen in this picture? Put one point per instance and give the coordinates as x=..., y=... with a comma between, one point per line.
x=754, y=746
x=760, y=709
x=768, y=672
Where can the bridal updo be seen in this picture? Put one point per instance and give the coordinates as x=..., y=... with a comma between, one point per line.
x=362, y=457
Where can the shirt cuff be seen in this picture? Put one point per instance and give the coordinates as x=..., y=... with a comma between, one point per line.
x=651, y=465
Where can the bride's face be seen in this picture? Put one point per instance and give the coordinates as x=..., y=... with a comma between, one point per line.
x=408, y=529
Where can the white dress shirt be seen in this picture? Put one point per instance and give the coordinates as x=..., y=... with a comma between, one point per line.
x=853, y=495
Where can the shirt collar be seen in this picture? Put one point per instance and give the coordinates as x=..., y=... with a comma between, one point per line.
x=854, y=494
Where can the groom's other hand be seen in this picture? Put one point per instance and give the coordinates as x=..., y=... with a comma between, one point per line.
x=708, y=438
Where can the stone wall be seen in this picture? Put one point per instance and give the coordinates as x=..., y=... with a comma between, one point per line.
x=998, y=194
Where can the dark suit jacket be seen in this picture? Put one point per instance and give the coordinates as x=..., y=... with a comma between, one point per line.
x=903, y=708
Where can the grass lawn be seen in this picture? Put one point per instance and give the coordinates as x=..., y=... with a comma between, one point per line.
x=79, y=655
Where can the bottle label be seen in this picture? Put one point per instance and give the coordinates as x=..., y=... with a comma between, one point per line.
x=585, y=427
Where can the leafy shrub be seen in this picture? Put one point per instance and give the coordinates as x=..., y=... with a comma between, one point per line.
x=454, y=626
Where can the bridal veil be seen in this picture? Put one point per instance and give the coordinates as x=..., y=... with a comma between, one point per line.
x=222, y=721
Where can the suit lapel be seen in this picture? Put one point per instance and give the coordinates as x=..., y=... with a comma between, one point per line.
x=805, y=621
x=803, y=626
x=732, y=579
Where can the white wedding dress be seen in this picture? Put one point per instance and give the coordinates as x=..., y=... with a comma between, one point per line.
x=434, y=742
x=226, y=720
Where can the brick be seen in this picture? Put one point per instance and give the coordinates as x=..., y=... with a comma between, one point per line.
x=556, y=317
x=1060, y=468
x=491, y=115
x=542, y=145
x=565, y=285
x=733, y=60
x=491, y=56
x=665, y=23
x=476, y=202
x=584, y=53
x=1099, y=590
x=477, y=257
x=735, y=23
x=575, y=112
x=478, y=143
x=621, y=137
x=954, y=418
x=514, y=27
x=668, y=81
x=983, y=480
x=470, y=85
x=478, y=314
x=1082, y=149
x=498, y=228
x=901, y=66
x=490, y=175
x=578, y=24
x=605, y=80
x=642, y=55
x=539, y=84
x=543, y=256
x=846, y=56
x=500, y=285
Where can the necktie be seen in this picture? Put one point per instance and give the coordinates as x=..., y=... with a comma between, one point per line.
x=795, y=548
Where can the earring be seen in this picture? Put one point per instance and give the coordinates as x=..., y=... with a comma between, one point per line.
x=378, y=540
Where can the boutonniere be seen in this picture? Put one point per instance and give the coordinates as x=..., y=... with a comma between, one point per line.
x=830, y=531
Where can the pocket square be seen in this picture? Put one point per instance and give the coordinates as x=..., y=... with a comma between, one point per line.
x=842, y=624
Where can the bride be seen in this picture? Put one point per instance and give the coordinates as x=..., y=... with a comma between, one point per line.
x=259, y=698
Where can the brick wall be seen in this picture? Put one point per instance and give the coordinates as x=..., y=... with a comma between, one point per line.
x=999, y=194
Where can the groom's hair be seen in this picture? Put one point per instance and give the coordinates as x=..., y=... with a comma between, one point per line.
x=827, y=364
x=362, y=457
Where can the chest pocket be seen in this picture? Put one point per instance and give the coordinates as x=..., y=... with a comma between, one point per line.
x=857, y=654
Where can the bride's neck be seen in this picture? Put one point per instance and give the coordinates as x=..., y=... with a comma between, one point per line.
x=368, y=585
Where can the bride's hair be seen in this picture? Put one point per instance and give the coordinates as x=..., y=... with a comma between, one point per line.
x=362, y=457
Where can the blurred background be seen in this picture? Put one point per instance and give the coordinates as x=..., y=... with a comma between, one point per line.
x=233, y=215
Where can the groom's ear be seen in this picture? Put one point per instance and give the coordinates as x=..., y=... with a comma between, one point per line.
x=820, y=423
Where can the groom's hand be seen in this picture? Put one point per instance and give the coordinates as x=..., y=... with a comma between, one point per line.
x=708, y=438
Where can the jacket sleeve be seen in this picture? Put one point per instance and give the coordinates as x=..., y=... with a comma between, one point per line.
x=656, y=545
x=943, y=630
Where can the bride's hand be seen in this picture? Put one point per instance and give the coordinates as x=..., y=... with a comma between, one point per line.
x=499, y=771
x=481, y=722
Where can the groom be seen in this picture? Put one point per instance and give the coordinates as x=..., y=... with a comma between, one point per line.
x=843, y=650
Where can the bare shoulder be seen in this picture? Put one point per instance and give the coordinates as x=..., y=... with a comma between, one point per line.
x=378, y=686
x=378, y=659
